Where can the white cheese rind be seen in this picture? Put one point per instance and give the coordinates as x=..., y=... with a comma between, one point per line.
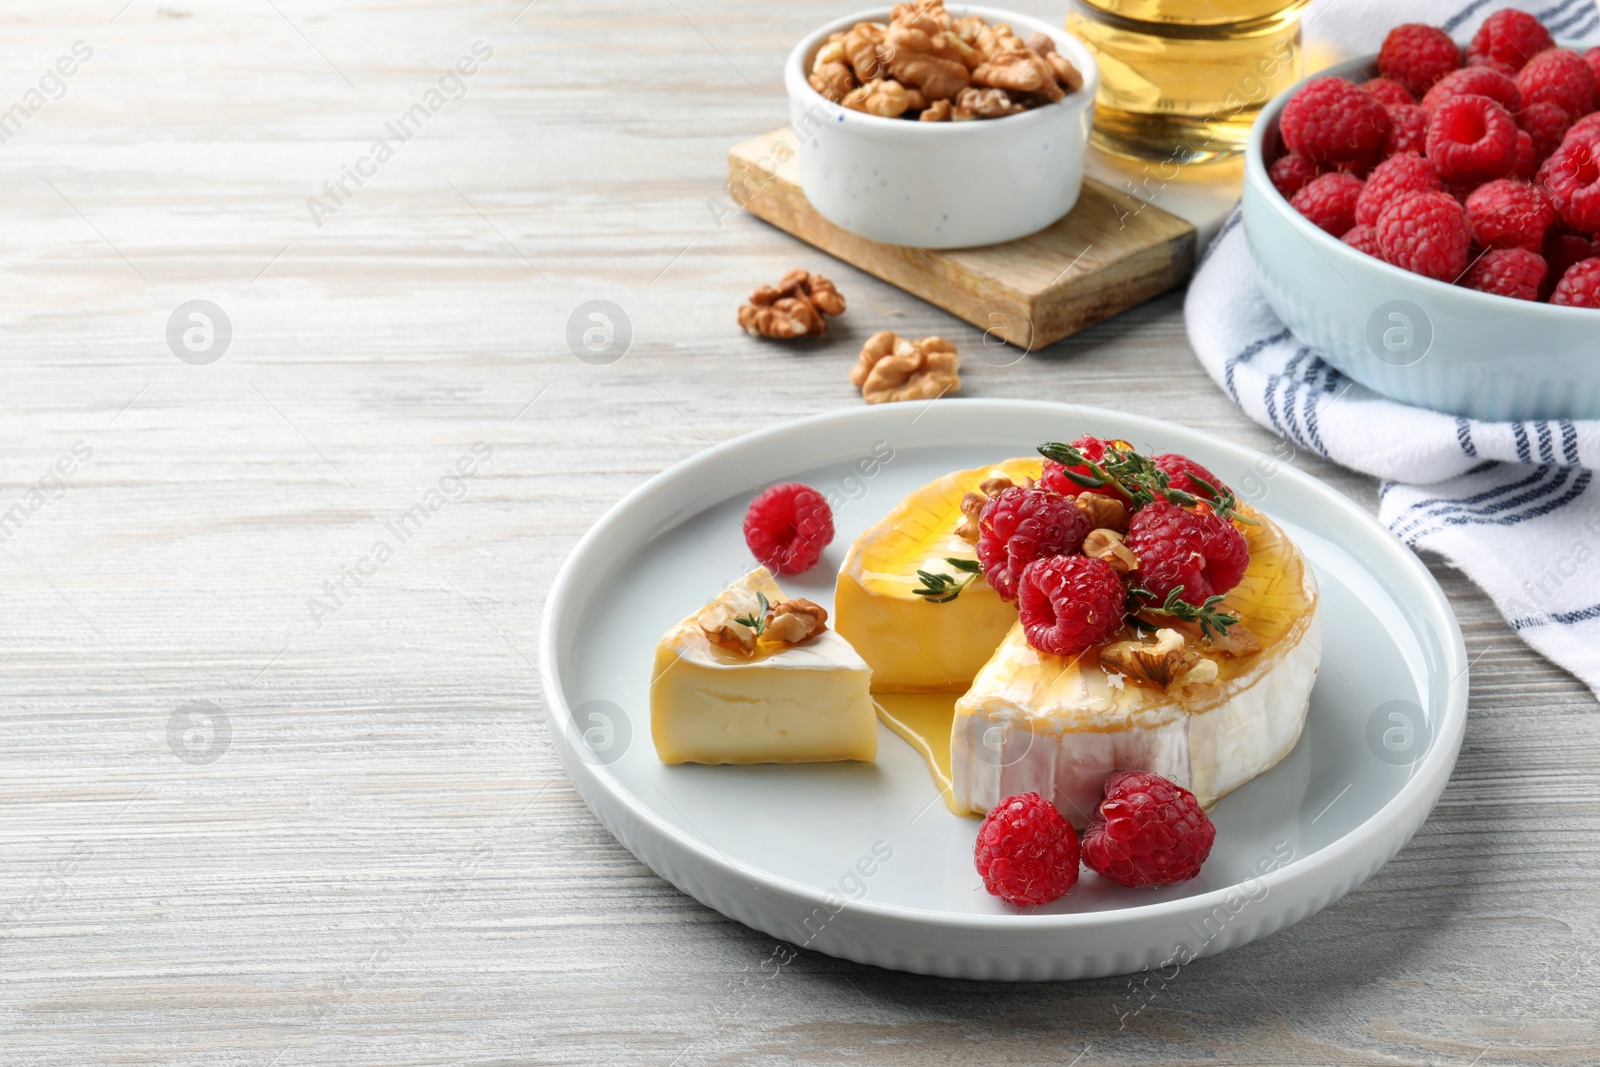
x=999, y=749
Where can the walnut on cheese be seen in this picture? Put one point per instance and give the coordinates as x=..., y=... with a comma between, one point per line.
x=923, y=64
x=893, y=368
x=1165, y=662
x=788, y=622
x=795, y=308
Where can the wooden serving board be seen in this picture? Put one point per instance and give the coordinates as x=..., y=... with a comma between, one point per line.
x=1108, y=254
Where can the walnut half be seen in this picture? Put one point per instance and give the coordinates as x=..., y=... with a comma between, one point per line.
x=1165, y=662
x=794, y=621
x=893, y=368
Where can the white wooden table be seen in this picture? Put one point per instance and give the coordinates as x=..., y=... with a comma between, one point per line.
x=272, y=795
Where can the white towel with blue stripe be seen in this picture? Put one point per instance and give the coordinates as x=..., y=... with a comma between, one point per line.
x=1508, y=503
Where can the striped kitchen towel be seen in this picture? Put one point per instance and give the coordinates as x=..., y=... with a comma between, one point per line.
x=1508, y=503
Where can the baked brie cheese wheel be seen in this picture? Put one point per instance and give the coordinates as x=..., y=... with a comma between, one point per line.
x=1169, y=702
x=772, y=689
x=912, y=643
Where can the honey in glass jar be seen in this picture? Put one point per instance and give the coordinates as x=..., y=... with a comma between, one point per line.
x=1182, y=80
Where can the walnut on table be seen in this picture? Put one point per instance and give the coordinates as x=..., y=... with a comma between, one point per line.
x=893, y=368
x=794, y=308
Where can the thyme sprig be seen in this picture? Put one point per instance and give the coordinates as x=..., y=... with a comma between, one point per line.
x=943, y=588
x=758, y=621
x=1213, y=623
x=1138, y=480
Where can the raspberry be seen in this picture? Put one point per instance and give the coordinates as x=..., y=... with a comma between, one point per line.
x=1527, y=160
x=787, y=527
x=1415, y=56
x=1026, y=852
x=1329, y=201
x=1363, y=239
x=1579, y=287
x=1195, y=550
x=1391, y=94
x=1509, y=214
x=1509, y=38
x=1021, y=525
x=1474, y=81
x=1572, y=178
x=1592, y=57
x=1557, y=76
x=1513, y=272
x=1408, y=130
x=1395, y=176
x=1472, y=139
x=1181, y=472
x=1069, y=604
x=1425, y=233
x=1586, y=128
x=1147, y=832
x=1331, y=120
x=1547, y=124
x=1291, y=173
x=1055, y=477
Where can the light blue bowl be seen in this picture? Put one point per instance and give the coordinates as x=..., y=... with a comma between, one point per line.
x=1411, y=338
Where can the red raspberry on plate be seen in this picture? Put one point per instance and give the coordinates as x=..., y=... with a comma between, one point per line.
x=1329, y=201
x=1363, y=239
x=1396, y=176
x=1408, y=130
x=1291, y=173
x=1193, y=549
x=787, y=527
x=1416, y=55
x=1148, y=831
x=1331, y=120
x=1069, y=604
x=1181, y=472
x=1026, y=852
x=1509, y=214
x=1508, y=38
x=1572, y=178
x=1557, y=76
x=1547, y=124
x=1579, y=287
x=1391, y=94
x=1021, y=525
x=1513, y=272
x=1472, y=139
x=1426, y=233
x=1055, y=477
x=1474, y=81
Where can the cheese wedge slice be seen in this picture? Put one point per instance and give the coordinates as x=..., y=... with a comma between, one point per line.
x=912, y=644
x=800, y=703
x=1034, y=722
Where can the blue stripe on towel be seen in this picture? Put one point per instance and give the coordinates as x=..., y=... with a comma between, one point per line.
x=1249, y=352
x=1561, y=618
x=1464, y=437
x=1573, y=492
x=1530, y=490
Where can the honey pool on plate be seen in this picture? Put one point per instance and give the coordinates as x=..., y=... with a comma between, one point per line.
x=1181, y=81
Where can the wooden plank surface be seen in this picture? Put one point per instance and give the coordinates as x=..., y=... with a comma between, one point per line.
x=1111, y=252
x=383, y=864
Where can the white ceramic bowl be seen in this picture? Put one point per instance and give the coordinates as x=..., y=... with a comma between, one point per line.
x=941, y=184
x=1417, y=340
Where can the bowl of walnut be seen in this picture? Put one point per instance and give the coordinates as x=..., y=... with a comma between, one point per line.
x=941, y=128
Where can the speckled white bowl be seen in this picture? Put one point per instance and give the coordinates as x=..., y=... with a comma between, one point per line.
x=1414, y=339
x=941, y=184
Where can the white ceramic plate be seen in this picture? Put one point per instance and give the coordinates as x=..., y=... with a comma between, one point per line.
x=863, y=860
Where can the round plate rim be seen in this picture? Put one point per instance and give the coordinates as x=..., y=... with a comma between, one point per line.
x=1422, y=789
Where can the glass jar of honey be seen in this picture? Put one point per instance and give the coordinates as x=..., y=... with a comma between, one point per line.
x=1182, y=80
